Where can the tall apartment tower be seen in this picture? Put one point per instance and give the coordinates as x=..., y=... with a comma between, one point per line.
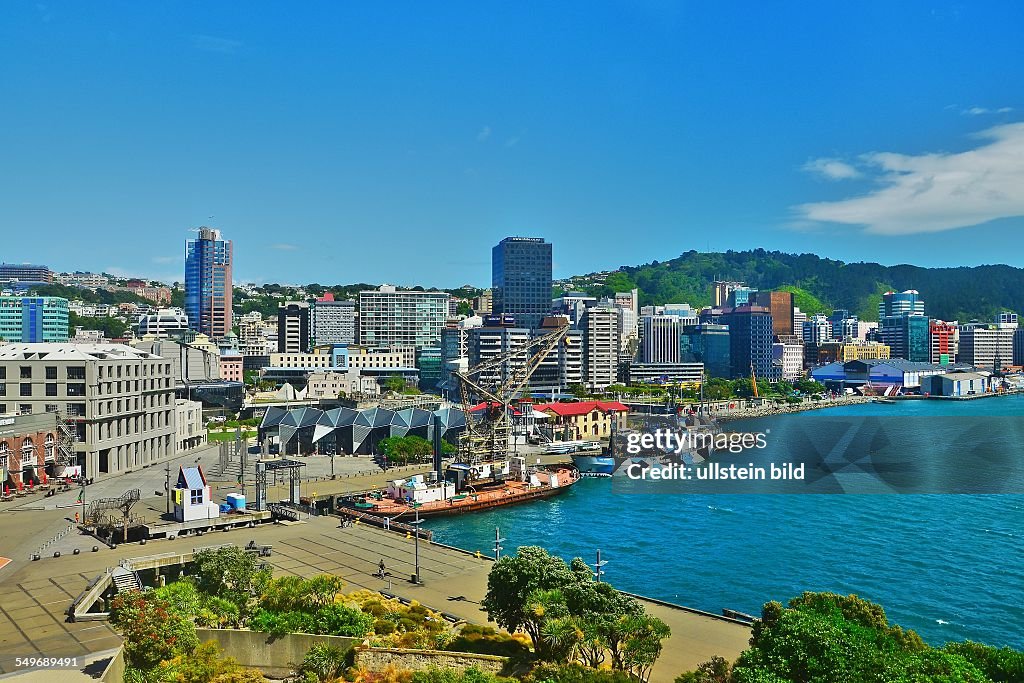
x=208, y=260
x=521, y=280
x=600, y=325
x=293, y=327
x=661, y=338
x=333, y=322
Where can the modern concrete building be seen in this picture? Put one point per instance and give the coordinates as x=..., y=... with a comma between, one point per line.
x=660, y=337
x=121, y=399
x=721, y=289
x=664, y=373
x=787, y=358
x=208, y=284
x=333, y=322
x=165, y=322
x=799, y=320
x=25, y=272
x=521, y=279
x=601, y=344
x=293, y=327
x=987, y=347
x=78, y=279
x=33, y=319
x=957, y=384
x=483, y=304
x=331, y=384
x=943, y=341
x=391, y=317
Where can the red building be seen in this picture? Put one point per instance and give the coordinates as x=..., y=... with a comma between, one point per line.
x=28, y=448
x=944, y=341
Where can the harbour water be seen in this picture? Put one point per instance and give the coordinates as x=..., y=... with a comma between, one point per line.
x=950, y=566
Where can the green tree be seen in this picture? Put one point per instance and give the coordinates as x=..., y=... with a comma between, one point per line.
x=463, y=308
x=232, y=574
x=516, y=584
x=394, y=383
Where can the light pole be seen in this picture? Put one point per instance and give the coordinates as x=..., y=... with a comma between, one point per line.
x=167, y=486
x=416, y=575
x=497, y=544
x=598, y=566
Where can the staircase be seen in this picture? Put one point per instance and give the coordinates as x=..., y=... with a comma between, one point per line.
x=125, y=580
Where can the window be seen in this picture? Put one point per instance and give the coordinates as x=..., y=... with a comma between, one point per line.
x=26, y=389
x=51, y=372
x=3, y=373
x=52, y=408
x=197, y=496
x=3, y=390
x=76, y=390
x=26, y=372
x=76, y=373
x=25, y=409
x=51, y=388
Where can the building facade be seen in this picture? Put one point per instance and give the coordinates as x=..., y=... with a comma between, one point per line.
x=986, y=347
x=521, y=280
x=28, y=449
x=25, y=272
x=190, y=429
x=780, y=304
x=165, y=322
x=660, y=338
x=943, y=341
x=750, y=340
x=293, y=327
x=208, y=263
x=334, y=322
x=600, y=326
x=391, y=317
x=708, y=344
x=33, y=319
x=120, y=399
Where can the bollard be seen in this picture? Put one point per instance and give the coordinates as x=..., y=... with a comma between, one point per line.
x=56, y=553
x=170, y=537
x=142, y=542
x=95, y=548
x=35, y=558
x=76, y=551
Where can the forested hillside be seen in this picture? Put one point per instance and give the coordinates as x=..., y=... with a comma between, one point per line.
x=819, y=284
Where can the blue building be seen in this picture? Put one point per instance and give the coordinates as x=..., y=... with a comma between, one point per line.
x=33, y=319
x=903, y=326
x=750, y=340
x=709, y=344
x=521, y=280
x=208, y=261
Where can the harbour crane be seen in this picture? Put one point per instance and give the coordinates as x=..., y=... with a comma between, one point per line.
x=496, y=382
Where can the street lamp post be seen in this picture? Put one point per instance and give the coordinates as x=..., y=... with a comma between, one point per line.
x=167, y=486
x=598, y=566
x=497, y=544
x=416, y=575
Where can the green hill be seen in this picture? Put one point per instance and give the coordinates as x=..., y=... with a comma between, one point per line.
x=819, y=284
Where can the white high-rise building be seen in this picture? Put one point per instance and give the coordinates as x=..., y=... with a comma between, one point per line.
x=391, y=317
x=600, y=325
x=334, y=322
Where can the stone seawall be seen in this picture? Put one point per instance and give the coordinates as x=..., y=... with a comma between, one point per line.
x=379, y=658
x=785, y=408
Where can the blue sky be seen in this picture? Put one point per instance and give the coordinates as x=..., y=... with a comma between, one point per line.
x=347, y=142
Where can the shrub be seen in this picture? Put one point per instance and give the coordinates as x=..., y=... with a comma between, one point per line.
x=323, y=663
x=576, y=673
x=471, y=675
x=485, y=640
x=153, y=631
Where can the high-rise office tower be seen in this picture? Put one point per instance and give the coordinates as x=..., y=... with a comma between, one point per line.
x=906, y=337
x=661, y=338
x=333, y=322
x=521, y=279
x=208, y=261
x=293, y=327
x=781, y=306
x=750, y=340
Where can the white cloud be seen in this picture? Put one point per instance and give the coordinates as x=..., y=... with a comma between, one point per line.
x=936, y=192
x=284, y=247
x=833, y=169
x=206, y=43
x=512, y=141
x=981, y=111
x=484, y=133
x=167, y=259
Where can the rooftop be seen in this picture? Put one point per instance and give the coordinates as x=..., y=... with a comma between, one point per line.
x=72, y=352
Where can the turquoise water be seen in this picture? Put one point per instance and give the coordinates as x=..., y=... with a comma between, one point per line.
x=948, y=566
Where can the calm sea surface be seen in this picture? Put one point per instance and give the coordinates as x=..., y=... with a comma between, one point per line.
x=950, y=566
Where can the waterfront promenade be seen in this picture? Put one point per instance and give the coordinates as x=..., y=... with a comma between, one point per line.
x=32, y=621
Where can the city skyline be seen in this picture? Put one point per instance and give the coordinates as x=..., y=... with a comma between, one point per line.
x=624, y=135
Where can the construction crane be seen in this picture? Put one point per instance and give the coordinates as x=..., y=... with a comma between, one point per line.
x=485, y=438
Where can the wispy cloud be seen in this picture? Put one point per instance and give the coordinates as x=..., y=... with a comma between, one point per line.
x=484, y=134
x=936, y=192
x=981, y=111
x=167, y=259
x=512, y=141
x=208, y=43
x=284, y=247
x=832, y=169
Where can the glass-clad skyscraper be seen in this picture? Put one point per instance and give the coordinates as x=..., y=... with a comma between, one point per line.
x=521, y=280
x=208, y=262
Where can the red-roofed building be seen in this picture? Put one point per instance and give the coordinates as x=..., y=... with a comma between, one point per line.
x=585, y=419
